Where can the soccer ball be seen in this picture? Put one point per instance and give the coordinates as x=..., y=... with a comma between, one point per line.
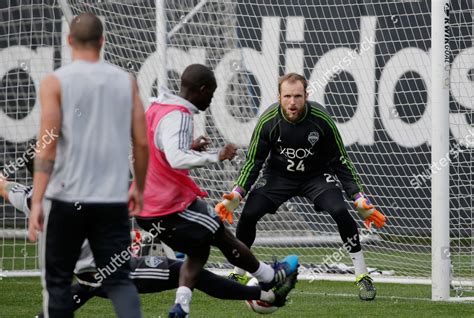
x=259, y=306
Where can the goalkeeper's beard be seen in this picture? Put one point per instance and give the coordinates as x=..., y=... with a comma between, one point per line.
x=293, y=116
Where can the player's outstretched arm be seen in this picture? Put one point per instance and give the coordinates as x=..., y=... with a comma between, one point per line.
x=18, y=198
x=175, y=137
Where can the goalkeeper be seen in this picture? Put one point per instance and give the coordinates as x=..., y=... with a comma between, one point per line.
x=302, y=151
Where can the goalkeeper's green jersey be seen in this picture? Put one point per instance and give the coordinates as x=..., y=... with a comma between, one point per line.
x=312, y=146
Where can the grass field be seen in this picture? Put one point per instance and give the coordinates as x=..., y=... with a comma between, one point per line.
x=21, y=297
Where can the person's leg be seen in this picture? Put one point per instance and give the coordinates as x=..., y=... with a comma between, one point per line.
x=209, y=283
x=256, y=206
x=326, y=196
x=332, y=202
x=61, y=244
x=239, y=254
x=191, y=232
x=189, y=276
x=109, y=237
x=80, y=295
x=191, y=268
x=214, y=285
x=269, y=193
x=222, y=288
x=154, y=274
x=200, y=227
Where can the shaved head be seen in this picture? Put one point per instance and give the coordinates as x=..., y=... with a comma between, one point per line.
x=198, y=84
x=86, y=30
x=197, y=75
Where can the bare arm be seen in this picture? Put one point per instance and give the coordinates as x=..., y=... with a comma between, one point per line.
x=139, y=139
x=50, y=125
x=50, y=129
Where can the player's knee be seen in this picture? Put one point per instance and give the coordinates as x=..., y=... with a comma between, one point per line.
x=222, y=237
x=339, y=211
x=200, y=253
x=248, y=218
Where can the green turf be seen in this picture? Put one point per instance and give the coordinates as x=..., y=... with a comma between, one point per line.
x=21, y=297
x=404, y=263
x=18, y=255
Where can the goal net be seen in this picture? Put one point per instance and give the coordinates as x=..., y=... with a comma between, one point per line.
x=367, y=62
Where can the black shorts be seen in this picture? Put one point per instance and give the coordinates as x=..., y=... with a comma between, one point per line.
x=191, y=231
x=152, y=274
x=280, y=189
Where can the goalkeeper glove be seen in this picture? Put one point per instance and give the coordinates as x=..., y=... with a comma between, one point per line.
x=368, y=212
x=225, y=209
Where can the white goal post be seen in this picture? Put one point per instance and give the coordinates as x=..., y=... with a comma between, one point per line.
x=440, y=66
x=397, y=76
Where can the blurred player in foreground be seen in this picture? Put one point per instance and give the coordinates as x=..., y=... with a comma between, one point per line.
x=91, y=109
x=303, y=150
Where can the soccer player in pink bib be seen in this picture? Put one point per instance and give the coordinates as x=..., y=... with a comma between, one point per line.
x=172, y=201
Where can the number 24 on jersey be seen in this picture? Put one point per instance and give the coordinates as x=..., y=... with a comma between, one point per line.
x=291, y=165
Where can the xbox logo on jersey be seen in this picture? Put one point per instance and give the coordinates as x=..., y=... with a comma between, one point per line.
x=300, y=153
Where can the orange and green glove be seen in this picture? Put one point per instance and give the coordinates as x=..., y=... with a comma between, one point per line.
x=225, y=209
x=368, y=212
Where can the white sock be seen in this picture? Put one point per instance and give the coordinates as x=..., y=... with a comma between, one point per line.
x=264, y=273
x=359, y=263
x=239, y=271
x=268, y=296
x=183, y=297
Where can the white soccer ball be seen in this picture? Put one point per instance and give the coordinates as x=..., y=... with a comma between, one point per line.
x=259, y=306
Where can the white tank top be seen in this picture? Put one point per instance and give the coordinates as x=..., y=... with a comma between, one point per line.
x=94, y=145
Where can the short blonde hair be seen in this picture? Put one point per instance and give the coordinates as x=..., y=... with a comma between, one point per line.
x=292, y=77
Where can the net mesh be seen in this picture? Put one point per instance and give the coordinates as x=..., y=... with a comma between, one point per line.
x=367, y=62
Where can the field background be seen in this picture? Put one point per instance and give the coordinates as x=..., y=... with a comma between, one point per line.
x=21, y=255
x=21, y=297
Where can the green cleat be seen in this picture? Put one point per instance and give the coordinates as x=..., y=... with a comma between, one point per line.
x=366, y=287
x=241, y=279
x=281, y=292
